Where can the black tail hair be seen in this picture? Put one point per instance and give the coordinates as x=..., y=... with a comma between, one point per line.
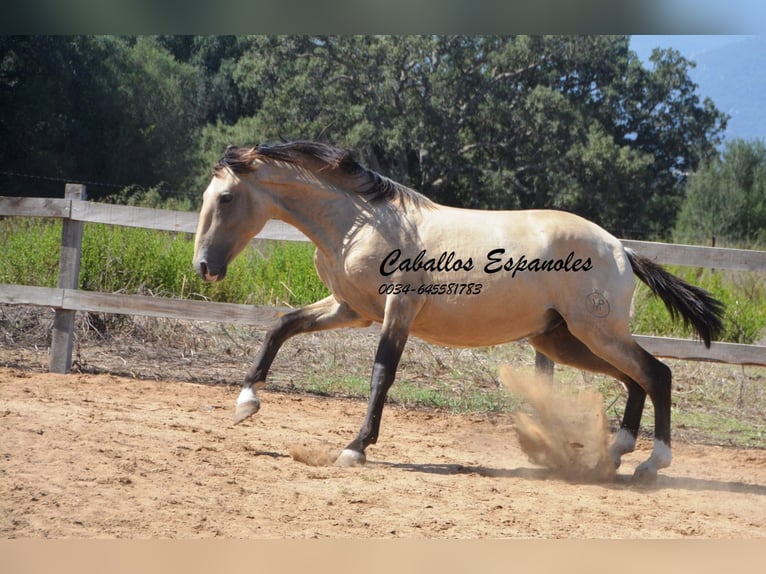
x=695, y=306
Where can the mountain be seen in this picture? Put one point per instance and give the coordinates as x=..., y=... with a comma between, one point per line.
x=730, y=70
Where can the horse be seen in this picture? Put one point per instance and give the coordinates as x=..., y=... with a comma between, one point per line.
x=449, y=276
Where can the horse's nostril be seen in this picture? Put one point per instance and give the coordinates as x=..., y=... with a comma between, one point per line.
x=203, y=268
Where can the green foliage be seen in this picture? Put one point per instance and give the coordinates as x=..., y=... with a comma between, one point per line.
x=743, y=295
x=495, y=122
x=131, y=260
x=413, y=394
x=30, y=251
x=153, y=198
x=114, y=111
x=283, y=274
x=574, y=122
x=726, y=199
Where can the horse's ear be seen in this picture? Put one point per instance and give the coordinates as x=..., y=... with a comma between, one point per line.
x=227, y=153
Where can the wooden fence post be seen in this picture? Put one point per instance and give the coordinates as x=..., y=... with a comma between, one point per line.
x=62, y=340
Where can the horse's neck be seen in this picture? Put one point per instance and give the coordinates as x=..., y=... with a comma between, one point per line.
x=325, y=218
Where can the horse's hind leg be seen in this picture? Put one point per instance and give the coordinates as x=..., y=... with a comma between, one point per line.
x=625, y=441
x=325, y=314
x=618, y=348
x=544, y=366
x=564, y=348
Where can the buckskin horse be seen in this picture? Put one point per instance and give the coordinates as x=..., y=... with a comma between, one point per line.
x=450, y=276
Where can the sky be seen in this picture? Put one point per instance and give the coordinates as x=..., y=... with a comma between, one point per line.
x=733, y=76
x=689, y=46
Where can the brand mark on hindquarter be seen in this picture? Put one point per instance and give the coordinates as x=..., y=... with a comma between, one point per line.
x=597, y=304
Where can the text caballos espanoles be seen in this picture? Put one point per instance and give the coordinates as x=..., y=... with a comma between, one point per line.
x=496, y=261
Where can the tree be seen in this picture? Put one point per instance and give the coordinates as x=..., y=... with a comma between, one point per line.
x=149, y=120
x=575, y=123
x=109, y=111
x=726, y=198
x=571, y=122
x=36, y=108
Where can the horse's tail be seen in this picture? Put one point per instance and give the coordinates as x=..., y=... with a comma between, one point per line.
x=695, y=306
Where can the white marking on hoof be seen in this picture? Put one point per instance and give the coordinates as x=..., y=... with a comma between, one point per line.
x=350, y=457
x=661, y=453
x=247, y=405
x=624, y=442
x=660, y=458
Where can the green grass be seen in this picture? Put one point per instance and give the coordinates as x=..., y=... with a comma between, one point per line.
x=742, y=293
x=727, y=430
x=412, y=394
x=711, y=404
x=132, y=260
x=30, y=249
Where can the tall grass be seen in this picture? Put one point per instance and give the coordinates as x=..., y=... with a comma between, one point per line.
x=133, y=260
x=30, y=251
x=742, y=293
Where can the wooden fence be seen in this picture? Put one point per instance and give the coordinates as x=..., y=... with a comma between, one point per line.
x=67, y=299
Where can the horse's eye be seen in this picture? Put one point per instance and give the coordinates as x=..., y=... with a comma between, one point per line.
x=226, y=198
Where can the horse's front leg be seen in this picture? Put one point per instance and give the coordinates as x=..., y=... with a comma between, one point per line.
x=322, y=315
x=393, y=337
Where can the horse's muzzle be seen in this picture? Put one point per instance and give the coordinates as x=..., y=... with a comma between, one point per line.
x=208, y=274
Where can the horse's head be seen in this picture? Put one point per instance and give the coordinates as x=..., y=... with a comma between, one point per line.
x=229, y=218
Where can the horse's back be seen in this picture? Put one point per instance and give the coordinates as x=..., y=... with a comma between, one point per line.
x=484, y=277
x=528, y=269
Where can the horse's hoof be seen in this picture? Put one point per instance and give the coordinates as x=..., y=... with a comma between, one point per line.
x=624, y=442
x=246, y=410
x=247, y=405
x=350, y=457
x=645, y=474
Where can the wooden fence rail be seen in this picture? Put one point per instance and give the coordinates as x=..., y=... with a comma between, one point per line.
x=67, y=299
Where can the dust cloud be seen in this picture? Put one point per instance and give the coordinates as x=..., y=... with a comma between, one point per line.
x=567, y=432
x=314, y=455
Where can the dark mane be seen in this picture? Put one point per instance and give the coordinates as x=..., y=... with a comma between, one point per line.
x=340, y=162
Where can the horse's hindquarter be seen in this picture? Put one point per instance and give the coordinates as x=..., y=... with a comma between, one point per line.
x=487, y=277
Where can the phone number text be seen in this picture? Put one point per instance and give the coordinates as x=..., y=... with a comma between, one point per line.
x=430, y=289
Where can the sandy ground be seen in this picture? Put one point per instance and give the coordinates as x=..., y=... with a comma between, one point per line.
x=101, y=456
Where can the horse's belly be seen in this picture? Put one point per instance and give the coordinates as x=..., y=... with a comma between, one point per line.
x=467, y=325
x=471, y=338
